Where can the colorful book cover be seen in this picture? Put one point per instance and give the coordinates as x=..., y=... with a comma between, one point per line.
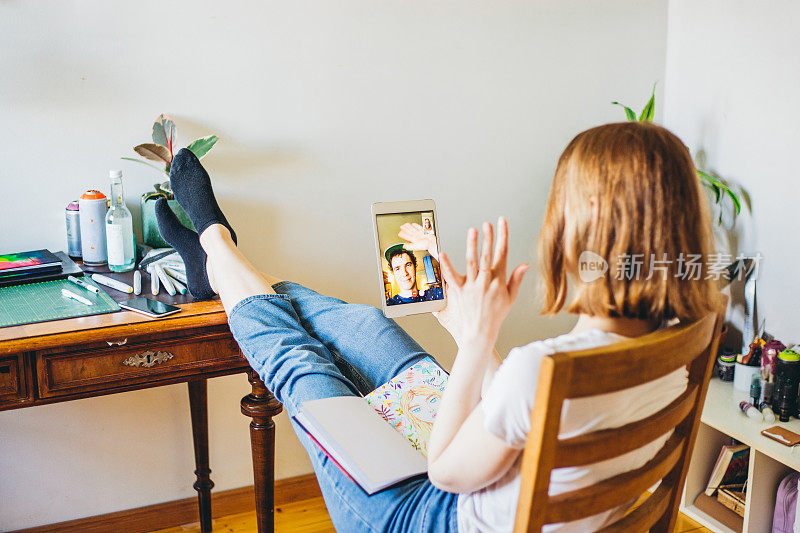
x=409, y=402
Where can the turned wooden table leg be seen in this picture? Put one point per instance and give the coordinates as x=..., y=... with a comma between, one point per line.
x=198, y=401
x=261, y=406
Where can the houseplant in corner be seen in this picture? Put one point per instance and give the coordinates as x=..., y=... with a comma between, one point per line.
x=719, y=187
x=158, y=155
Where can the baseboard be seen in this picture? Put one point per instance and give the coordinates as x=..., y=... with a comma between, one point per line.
x=178, y=512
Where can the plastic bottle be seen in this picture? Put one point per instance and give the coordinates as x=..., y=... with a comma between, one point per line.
x=766, y=412
x=755, y=389
x=121, y=243
x=751, y=411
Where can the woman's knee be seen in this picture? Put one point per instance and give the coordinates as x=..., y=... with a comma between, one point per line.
x=368, y=314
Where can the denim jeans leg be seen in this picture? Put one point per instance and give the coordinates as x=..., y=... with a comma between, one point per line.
x=412, y=506
x=293, y=365
x=297, y=367
x=375, y=345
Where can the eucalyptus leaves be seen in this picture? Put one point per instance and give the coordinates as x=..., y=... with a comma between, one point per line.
x=718, y=186
x=162, y=149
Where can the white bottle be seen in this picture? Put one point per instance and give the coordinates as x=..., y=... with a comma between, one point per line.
x=120, y=241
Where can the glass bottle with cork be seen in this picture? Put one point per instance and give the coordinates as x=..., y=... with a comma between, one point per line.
x=120, y=240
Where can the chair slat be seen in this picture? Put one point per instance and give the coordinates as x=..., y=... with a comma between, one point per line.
x=643, y=517
x=614, y=491
x=607, y=369
x=621, y=366
x=608, y=443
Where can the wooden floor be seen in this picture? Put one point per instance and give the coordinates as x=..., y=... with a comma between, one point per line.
x=310, y=516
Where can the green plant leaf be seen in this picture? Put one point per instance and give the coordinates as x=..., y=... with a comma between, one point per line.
x=201, y=146
x=169, y=132
x=721, y=188
x=145, y=163
x=628, y=111
x=737, y=204
x=648, y=113
x=153, y=152
x=159, y=137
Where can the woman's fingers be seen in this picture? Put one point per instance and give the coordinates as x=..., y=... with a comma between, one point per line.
x=486, y=251
x=471, y=255
x=450, y=275
x=501, y=248
x=515, y=280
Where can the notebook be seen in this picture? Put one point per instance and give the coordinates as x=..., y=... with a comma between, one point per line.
x=28, y=262
x=67, y=268
x=382, y=438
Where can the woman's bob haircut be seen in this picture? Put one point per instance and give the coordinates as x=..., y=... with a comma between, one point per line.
x=628, y=195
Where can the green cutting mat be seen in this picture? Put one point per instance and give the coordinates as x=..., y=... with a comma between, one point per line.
x=40, y=302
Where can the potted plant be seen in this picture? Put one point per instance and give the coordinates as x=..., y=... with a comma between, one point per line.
x=160, y=152
x=719, y=187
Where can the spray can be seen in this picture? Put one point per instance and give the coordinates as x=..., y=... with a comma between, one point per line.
x=92, y=208
x=73, y=230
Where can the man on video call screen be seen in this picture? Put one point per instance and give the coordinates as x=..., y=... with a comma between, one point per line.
x=404, y=269
x=412, y=268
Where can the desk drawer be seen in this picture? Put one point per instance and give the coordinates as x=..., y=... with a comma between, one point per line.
x=13, y=384
x=135, y=362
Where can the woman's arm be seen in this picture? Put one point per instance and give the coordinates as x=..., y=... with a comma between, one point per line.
x=445, y=319
x=462, y=455
x=491, y=369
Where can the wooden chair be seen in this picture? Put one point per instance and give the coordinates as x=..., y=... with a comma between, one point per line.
x=607, y=369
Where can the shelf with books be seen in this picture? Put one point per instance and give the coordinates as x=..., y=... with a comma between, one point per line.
x=769, y=461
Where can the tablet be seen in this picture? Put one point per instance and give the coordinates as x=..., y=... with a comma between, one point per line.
x=407, y=248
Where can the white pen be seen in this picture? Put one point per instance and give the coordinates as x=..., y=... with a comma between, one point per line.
x=165, y=280
x=155, y=286
x=137, y=282
x=82, y=283
x=72, y=296
x=110, y=282
x=177, y=274
x=180, y=287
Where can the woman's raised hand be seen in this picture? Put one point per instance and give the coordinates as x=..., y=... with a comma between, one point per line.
x=480, y=300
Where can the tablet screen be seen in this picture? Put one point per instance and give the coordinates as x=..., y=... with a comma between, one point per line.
x=409, y=257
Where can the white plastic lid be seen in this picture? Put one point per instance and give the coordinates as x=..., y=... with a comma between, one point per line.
x=114, y=173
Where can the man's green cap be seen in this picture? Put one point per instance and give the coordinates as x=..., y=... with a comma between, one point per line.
x=392, y=249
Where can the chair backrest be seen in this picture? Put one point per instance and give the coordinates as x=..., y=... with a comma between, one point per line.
x=608, y=369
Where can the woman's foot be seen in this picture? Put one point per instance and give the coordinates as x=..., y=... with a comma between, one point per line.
x=192, y=188
x=187, y=243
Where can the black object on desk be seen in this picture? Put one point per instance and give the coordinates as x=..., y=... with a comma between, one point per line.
x=68, y=268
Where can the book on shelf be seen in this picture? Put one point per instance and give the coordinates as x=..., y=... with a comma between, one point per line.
x=382, y=438
x=730, y=469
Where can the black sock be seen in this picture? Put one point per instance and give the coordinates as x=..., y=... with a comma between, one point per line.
x=187, y=243
x=191, y=186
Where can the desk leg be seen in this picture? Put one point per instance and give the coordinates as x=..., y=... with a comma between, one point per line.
x=198, y=402
x=261, y=406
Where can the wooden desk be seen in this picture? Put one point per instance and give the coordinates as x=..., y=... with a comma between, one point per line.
x=96, y=355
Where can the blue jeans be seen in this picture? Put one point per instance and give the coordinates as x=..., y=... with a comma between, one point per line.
x=306, y=346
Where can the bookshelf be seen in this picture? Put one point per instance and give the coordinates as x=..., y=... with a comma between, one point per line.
x=770, y=461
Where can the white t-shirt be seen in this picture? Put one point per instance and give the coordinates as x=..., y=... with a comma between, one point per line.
x=507, y=405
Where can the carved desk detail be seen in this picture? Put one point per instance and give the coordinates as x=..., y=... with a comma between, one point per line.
x=148, y=359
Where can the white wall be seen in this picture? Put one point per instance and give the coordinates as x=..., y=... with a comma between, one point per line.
x=322, y=108
x=732, y=87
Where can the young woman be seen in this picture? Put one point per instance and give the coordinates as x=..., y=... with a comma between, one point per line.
x=627, y=193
